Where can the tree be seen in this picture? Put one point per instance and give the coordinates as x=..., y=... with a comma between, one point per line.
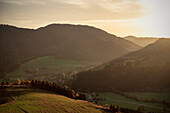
x=33, y=82
x=7, y=83
x=82, y=96
x=72, y=94
x=18, y=81
x=3, y=83
x=22, y=82
x=111, y=107
x=141, y=108
x=77, y=96
x=165, y=110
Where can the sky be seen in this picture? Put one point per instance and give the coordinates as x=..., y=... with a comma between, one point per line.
x=144, y=18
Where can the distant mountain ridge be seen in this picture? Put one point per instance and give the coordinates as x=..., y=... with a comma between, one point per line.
x=142, y=41
x=65, y=41
x=147, y=69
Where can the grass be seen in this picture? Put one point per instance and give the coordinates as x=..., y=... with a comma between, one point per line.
x=36, y=100
x=122, y=101
x=48, y=65
x=150, y=95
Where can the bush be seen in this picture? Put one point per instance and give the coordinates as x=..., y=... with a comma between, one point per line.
x=3, y=83
x=15, y=83
x=18, y=81
x=4, y=100
x=82, y=96
x=7, y=83
x=22, y=82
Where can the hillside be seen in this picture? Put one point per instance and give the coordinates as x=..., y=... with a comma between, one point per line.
x=142, y=41
x=145, y=70
x=64, y=41
x=36, y=100
x=48, y=68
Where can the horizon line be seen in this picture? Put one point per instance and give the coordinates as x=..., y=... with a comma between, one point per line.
x=65, y=23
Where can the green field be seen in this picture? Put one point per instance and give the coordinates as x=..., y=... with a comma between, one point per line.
x=41, y=101
x=150, y=95
x=47, y=66
x=122, y=101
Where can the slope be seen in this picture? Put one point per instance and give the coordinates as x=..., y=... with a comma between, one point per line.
x=64, y=41
x=145, y=70
x=48, y=67
x=142, y=41
x=36, y=100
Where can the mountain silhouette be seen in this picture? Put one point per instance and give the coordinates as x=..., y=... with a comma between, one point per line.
x=64, y=41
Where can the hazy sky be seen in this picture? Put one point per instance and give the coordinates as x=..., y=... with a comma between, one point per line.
x=120, y=17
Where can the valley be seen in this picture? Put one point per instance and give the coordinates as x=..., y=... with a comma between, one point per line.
x=130, y=72
x=49, y=68
x=116, y=99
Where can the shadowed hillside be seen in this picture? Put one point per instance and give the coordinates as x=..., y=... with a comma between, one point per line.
x=64, y=41
x=145, y=70
x=142, y=41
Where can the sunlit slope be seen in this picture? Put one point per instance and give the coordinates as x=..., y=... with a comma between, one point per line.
x=145, y=70
x=36, y=101
x=142, y=41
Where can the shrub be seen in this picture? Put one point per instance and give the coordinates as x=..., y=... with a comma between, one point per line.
x=18, y=81
x=7, y=83
x=22, y=82
x=3, y=83
x=82, y=96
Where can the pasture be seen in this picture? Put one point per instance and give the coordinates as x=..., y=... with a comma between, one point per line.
x=46, y=66
x=35, y=101
x=115, y=99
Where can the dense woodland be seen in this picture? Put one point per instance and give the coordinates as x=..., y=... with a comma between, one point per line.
x=144, y=70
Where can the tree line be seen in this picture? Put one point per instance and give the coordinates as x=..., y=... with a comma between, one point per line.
x=117, y=109
x=141, y=109
x=56, y=88
x=50, y=86
x=18, y=82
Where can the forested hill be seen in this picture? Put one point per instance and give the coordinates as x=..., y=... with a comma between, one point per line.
x=145, y=70
x=64, y=41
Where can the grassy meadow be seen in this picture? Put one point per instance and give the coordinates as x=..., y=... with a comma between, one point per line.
x=47, y=66
x=150, y=95
x=36, y=101
x=124, y=102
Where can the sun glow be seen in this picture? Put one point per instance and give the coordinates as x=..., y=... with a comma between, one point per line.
x=122, y=18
